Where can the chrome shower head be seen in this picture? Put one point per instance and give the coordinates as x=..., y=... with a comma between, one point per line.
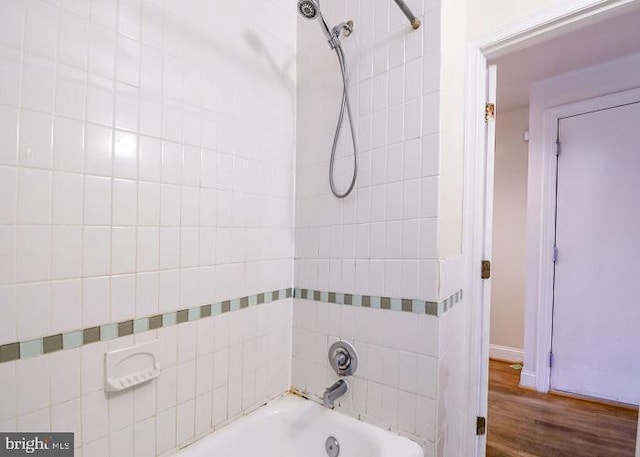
x=309, y=8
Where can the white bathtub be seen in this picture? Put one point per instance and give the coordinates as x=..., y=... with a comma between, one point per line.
x=294, y=427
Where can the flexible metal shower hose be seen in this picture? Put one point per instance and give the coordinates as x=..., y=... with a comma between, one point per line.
x=346, y=105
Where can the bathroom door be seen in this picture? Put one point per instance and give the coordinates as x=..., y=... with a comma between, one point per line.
x=596, y=315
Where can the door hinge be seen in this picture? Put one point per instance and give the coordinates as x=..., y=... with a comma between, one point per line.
x=558, y=147
x=555, y=254
x=489, y=112
x=486, y=269
x=481, y=426
x=550, y=359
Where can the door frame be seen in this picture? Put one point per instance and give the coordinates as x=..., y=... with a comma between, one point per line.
x=478, y=189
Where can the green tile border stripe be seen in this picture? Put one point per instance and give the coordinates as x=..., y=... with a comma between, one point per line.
x=410, y=305
x=105, y=332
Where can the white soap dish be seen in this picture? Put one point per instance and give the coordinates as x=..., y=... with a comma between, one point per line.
x=131, y=366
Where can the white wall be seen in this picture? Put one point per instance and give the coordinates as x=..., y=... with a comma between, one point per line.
x=607, y=78
x=509, y=240
x=146, y=166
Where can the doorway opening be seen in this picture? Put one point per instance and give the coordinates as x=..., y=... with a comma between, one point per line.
x=519, y=227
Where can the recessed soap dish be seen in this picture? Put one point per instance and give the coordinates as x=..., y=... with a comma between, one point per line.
x=131, y=366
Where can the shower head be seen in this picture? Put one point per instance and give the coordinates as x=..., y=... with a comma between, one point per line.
x=309, y=9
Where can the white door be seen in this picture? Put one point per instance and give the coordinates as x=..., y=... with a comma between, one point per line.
x=596, y=315
x=484, y=318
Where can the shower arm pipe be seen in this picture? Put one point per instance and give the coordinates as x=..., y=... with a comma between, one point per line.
x=415, y=22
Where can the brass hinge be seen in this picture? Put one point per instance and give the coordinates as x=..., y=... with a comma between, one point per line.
x=489, y=112
x=481, y=426
x=486, y=269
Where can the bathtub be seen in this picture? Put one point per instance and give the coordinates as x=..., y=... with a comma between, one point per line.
x=292, y=427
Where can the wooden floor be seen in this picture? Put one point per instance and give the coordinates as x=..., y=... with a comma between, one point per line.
x=523, y=423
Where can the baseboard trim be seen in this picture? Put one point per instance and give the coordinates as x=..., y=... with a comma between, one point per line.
x=505, y=354
x=528, y=380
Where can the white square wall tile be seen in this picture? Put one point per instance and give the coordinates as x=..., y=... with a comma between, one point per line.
x=8, y=195
x=186, y=379
x=34, y=197
x=65, y=376
x=67, y=198
x=129, y=16
x=10, y=77
x=100, y=100
x=35, y=139
x=97, y=448
x=166, y=430
x=144, y=401
x=97, y=200
x=126, y=116
x=8, y=326
x=68, y=142
x=95, y=418
x=123, y=295
x=34, y=245
x=413, y=119
x=203, y=413
x=124, y=202
x=8, y=135
x=150, y=114
x=65, y=311
x=32, y=378
x=429, y=238
x=102, y=48
x=8, y=395
x=103, y=12
x=67, y=417
x=169, y=291
x=78, y=7
x=151, y=70
x=185, y=421
x=147, y=248
x=127, y=60
x=66, y=252
x=150, y=159
x=38, y=420
x=145, y=438
x=71, y=92
x=41, y=29
x=96, y=293
x=426, y=413
x=92, y=366
x=406, y=412
x=33, y=300
x=98, y=150
x=146, y=294
x=167, y=387
x=171, y=162
x=121, y=443
x=125, y=155
x=73, y=40
x=120, y=410
x=38, y=80
x=13, y=14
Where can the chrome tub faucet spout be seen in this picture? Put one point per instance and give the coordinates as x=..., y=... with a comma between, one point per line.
x=337, y=390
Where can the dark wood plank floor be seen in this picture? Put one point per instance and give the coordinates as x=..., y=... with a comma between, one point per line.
x=523, y=423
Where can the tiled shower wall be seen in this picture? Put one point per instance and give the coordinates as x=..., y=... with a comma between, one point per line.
x=381, y=242
x=146, y=167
